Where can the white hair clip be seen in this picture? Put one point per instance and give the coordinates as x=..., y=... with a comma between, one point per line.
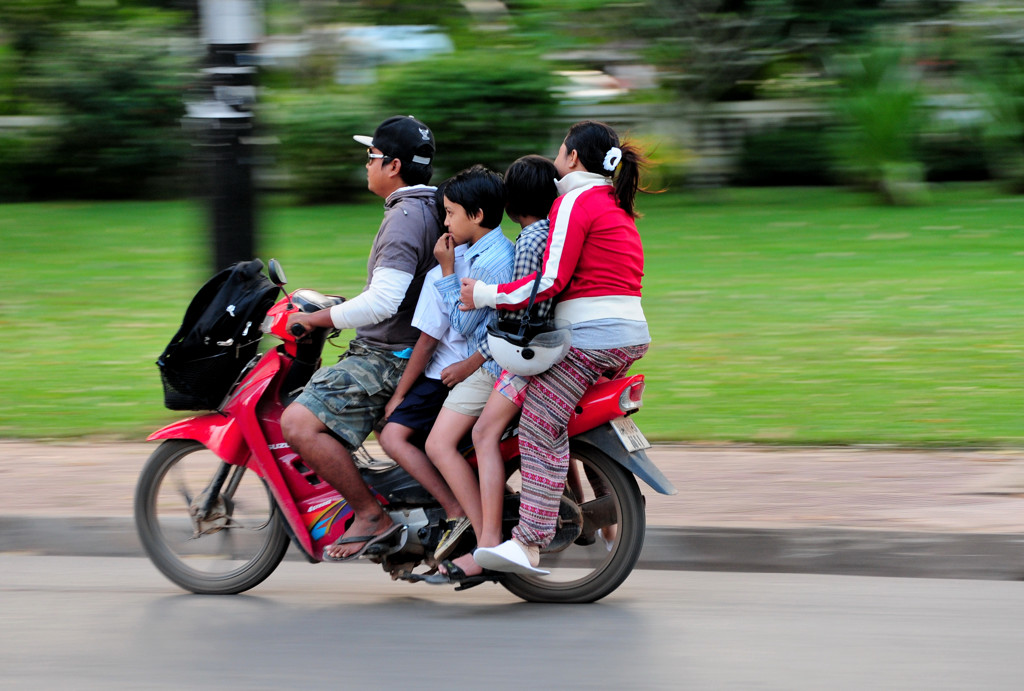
x=612, y=158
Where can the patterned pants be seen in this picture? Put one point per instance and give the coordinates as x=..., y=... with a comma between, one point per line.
x=551, y=399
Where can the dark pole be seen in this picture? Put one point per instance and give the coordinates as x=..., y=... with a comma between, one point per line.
x=224, y=120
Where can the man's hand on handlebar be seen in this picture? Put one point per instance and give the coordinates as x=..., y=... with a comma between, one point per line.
x=300, y=323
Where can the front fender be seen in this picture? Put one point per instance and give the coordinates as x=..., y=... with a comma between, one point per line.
x=603, y=439
x=219, y=433
x=223, y=433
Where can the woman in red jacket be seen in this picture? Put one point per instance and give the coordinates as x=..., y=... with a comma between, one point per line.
x=593, y=265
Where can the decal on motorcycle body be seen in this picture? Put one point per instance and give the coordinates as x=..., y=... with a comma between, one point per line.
x=320, y=505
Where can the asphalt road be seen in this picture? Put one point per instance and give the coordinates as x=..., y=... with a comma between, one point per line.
x=853, y=511
x=115, y=623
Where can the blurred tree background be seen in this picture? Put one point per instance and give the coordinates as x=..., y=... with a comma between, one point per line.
x=93, y=98
x=781, y=315
x=886, y=95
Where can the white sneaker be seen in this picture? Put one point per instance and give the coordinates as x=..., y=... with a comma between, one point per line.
x=509, y=557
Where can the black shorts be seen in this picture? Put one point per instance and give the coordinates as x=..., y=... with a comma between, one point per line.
x=419, y=409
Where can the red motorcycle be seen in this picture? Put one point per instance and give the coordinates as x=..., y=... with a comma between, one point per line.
x=218, y=502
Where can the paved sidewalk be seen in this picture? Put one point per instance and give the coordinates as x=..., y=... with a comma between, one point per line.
x=830, y=510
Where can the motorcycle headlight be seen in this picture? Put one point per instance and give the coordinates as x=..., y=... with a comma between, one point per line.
x=268, y=321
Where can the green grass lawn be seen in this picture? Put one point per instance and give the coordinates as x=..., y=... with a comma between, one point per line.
x=798, y=316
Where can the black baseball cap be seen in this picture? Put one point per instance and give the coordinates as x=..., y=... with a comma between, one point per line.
x=402, y=137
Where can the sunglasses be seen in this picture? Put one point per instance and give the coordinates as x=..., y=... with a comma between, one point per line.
x=370, y=156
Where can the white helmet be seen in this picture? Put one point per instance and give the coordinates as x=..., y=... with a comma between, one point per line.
x=526, y=355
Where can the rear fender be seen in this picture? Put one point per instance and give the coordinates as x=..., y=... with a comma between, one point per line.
x=600, y=403
x=604, y=439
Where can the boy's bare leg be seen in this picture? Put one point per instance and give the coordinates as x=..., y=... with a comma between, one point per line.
x=494, y=420
x=442, y=450
x=487, y=431
x=395, y=440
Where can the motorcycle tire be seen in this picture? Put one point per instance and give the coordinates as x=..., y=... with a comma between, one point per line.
x=235, y=548
x=590, y=568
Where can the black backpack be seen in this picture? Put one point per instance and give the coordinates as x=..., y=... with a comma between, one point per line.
x=218, y=337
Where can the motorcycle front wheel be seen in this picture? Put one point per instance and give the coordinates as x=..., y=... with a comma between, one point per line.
x=597, y=563
x=230, y=548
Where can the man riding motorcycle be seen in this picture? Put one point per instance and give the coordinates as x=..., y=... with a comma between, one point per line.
x=338, y=408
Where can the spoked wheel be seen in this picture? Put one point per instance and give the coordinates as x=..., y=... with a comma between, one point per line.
x=595, y=564
x=232, y=546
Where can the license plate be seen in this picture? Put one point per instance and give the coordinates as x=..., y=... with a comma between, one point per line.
x=629, y=434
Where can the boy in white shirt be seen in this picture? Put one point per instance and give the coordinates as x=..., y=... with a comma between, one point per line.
x=438, y=362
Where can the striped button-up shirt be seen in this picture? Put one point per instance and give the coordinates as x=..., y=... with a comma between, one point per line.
x=490, y=260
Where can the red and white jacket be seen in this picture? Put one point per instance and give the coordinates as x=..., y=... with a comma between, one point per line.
x=594, y=261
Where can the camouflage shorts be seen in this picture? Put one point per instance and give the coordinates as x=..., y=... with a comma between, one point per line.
x=349, y=397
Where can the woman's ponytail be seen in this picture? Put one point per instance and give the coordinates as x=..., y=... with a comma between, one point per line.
x=627, y=180
x=600, y=151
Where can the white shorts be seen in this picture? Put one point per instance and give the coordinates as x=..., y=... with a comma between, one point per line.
x=470, y=395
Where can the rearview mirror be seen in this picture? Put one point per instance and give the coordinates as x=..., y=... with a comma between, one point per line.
x=276, y=273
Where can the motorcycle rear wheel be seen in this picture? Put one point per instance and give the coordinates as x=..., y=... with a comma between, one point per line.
x=234, y=549
x=586, y=573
